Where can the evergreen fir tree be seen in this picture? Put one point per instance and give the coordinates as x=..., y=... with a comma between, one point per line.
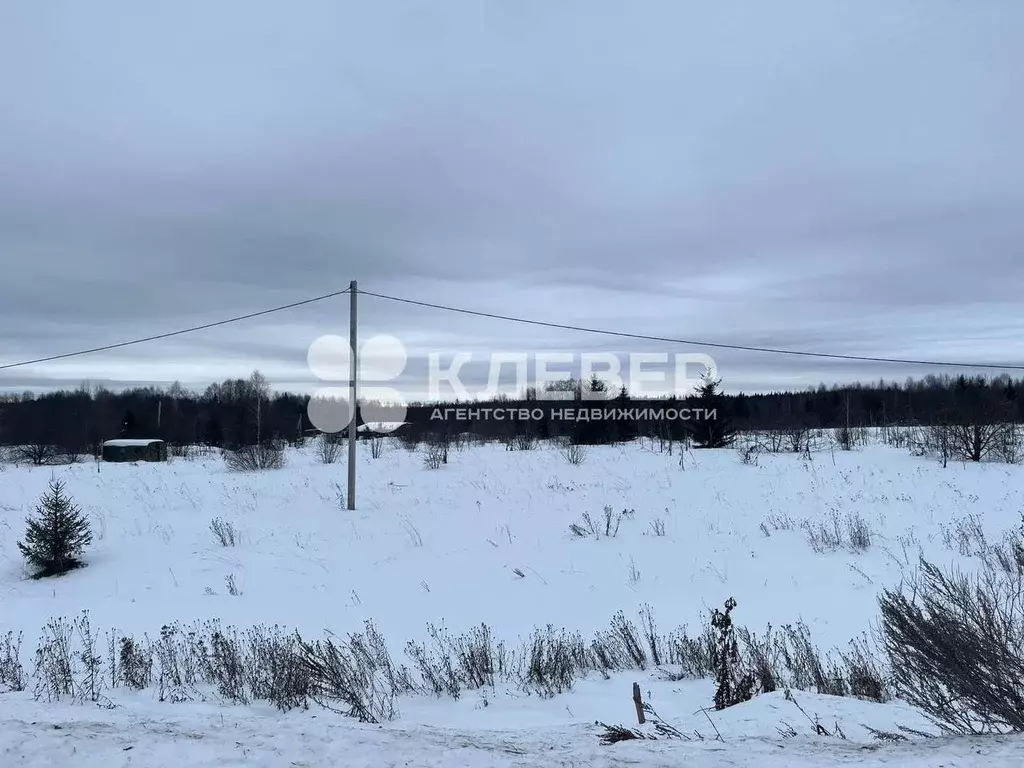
x=596, y=389
x=625, y=429
x=592, y=393
x=58, y=534
x=711, y=431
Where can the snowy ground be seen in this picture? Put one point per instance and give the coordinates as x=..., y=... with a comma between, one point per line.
x=165, y=735
x=448, y=546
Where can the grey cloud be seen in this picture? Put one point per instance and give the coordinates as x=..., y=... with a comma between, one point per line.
x=811, y=175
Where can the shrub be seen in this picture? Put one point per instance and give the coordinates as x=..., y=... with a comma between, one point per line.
x=437, y=446
x=779, y=521
x=57, y=536
x=822, y=536
x=356, y=674
x=691, y=655
x=255, y=458
x=223, y=531
x=574, y=453
x=966, y=536
x=328, y=448
x=276, y=672
x=1009, y=447
x=552, y=661
x=358, y=677
x=12, y=674
x=956, y=644
x=749, y=453
x=850, y=532
x=55, y=668
x=608, y=526
x=434, y=456
x=858, y=532
x=131, y=663
x=522, y=441
x=798, y=439
x=376, y=447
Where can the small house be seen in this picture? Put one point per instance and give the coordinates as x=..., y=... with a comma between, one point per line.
x=135, y=450
x=365, y=431
x=375, y=429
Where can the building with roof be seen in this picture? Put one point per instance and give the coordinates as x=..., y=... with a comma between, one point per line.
x=138, y=449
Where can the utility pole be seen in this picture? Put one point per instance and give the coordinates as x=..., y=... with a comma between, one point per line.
x=353, y=395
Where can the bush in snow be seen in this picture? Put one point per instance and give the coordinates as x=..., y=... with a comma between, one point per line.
x=574, y=453
x=131, y=663
x=328, y=448
x=521, y=441
x=358, y=677
x=223, y=531
x=1009, y=447
x=12, y=674
x=851, y=532
x=376, y=447
x=608, y=526
x=57, y=535
x=67, y=662
x=859, y=535
x=254, y=458
x=434, y=456
x=956, y=643
x=748, y=453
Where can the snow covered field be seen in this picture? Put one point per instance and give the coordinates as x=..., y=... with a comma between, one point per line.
x=486, y=539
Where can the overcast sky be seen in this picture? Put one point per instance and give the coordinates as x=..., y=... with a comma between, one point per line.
x=843, y=177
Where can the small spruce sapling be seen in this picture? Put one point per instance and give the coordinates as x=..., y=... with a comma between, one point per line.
x=732, y=685
x=57, y=535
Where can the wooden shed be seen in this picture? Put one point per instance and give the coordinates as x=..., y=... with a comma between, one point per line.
x=135, y=450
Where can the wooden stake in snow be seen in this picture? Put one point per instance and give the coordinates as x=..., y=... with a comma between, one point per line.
x=639, y=703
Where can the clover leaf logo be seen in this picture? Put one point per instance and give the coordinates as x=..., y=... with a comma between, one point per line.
x=381, y=358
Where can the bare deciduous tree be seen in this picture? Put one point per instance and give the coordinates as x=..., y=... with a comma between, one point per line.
x=38, y=454
x=975, y=441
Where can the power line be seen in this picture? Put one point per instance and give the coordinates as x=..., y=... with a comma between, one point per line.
x=643, y=337
x=183, y=331
x=520, y=320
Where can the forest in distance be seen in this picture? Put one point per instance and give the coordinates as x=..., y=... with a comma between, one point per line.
x=241, y=412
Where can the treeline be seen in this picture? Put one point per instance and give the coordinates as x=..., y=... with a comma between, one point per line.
x=242, y=412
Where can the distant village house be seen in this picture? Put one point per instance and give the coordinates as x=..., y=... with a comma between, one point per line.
x=138, y=449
